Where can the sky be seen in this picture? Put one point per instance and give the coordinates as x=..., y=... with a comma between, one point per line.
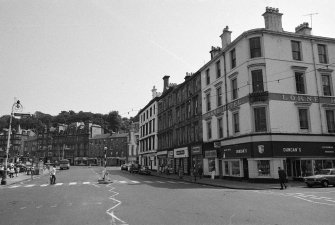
x=106, y=55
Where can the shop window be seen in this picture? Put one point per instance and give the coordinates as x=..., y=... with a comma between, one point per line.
x=263, y=167
x=306, y=168
x=326, y=164
x=211, y=164
x=235, y=168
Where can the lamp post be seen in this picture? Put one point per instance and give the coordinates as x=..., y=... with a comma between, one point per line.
x=105, y=152
x=17, y=107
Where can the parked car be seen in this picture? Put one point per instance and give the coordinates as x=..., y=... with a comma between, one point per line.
x=124, y=166
x=64, y=164
x=134, y=168
x=324, y=177
x=144, y=170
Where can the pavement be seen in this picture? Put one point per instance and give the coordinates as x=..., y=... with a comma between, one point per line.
x=231, y=184
x=22, y=177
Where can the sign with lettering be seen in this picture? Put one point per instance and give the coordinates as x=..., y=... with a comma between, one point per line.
x=196, y=150
x=302, y=98
x=211, y=154
x=181, y=152
x=302, y=149
x=237, y=151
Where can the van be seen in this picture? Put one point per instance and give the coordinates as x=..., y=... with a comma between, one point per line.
x=64, y=164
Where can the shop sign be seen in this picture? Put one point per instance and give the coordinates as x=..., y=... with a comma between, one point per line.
x=170, y=154
x=211, y=154
x=301, y=149
x=237, y=151
x=217, y=144
x=161, y=153
x=181, y=152
x=196, y=150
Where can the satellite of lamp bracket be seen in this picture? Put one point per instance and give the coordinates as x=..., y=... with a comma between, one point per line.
x=22, y=115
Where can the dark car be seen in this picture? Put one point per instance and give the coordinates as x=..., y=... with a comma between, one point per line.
x=124, y=166
x=134, y=168
x=144, y=170
x=324, y=177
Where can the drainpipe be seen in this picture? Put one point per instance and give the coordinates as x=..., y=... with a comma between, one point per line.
x=226, y=95
x=317, y=85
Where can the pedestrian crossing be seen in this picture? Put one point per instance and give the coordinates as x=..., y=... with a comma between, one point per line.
x=122, y=182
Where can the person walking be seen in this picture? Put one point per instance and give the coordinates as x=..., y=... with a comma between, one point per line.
x=282, y=178
x=200, y=172
x=195, y=173
x=213, y=173
x=53, y=175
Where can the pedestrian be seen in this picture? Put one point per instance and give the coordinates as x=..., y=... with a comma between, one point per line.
x=16, y=170
x=200, y=172
x=282, y=178
x=53, y=175
x=213, y=173
x=195, y=173
x=11, y=172
x=32, y=169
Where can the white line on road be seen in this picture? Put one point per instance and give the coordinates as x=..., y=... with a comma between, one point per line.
x=161, y=182
x=123, y=182
x=135, y=182
x=53, y=206
x=172, y=182
x=148, y=181
x=23, y=207
x=58, y=184
x=40, y=206
x=44, y=185
x=86, y=182
x=30, y=185
x=73, y=183
x=15, y=186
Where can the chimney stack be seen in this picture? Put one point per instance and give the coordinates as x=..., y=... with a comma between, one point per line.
x=303, y=29
x=166, y=82
x=272, y=19
x=214, y=51
x=225, y=37
x=188, y=75
x=154, y=92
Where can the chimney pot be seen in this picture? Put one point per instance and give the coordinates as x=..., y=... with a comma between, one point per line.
x=225, y=37
x=303, y=29
x=166, y=82
x=272, y=19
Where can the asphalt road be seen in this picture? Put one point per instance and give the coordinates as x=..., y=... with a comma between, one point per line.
x=138, y=199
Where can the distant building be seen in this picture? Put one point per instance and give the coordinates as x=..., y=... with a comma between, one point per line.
x=133, y=144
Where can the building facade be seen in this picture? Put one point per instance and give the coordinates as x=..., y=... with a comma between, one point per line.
x=148, y=132
x=272, y=106
x=133, y=146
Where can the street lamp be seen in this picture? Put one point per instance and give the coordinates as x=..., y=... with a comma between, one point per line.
x=17, y=107
x=105, y=152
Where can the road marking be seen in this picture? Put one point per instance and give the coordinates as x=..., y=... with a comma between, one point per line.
x=53, y=206
x=70, y=204
x=73, y=183
x=23, y=207
x=15, y=186
x=58, y=184
x=30, y=185
x=40, y=206
x=161, y=182
x=148, y=181
x=123, y=182
x=135, y=182
x=86, y=182
x=172, y=182
x=44, y=185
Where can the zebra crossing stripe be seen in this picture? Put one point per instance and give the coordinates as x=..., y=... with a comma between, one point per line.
x=161, y=182
x=30, y=185
x=44, y=185
x=172, y=182
x=86, y=182
x=123, y=182
x=58, y=184
x=15, y=186
x=147, y=181
x=73, y=183
x=135, y=182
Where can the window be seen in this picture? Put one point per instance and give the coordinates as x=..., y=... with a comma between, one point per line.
x=209, y=130
x=195, y=105
x=300, y=82
x=218, y=69
x=322, y=54
x=330, y=121
x=257, y=81
x=303, y=119
x=296, y=50
x=208, y=79
x=235, y=168
x=263, y=167
x=226, y=168
x=255, y=47
x=326, y=88
x=233, y=58
x=236, y=122
x=260, y=119
x=220, y=128
x=234, y=88
x=208, y=102
x=219, y=96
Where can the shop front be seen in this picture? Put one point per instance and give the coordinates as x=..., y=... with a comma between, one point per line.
x=196, y=156
x=170, y=167
x=305, y=159
x=161, y=160
x=211, y=162
x=181, y=157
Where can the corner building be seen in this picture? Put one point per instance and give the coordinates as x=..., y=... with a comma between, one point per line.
x=269, y=102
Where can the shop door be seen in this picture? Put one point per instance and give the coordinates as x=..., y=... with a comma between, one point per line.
x=220, y=168
x=245, y=169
